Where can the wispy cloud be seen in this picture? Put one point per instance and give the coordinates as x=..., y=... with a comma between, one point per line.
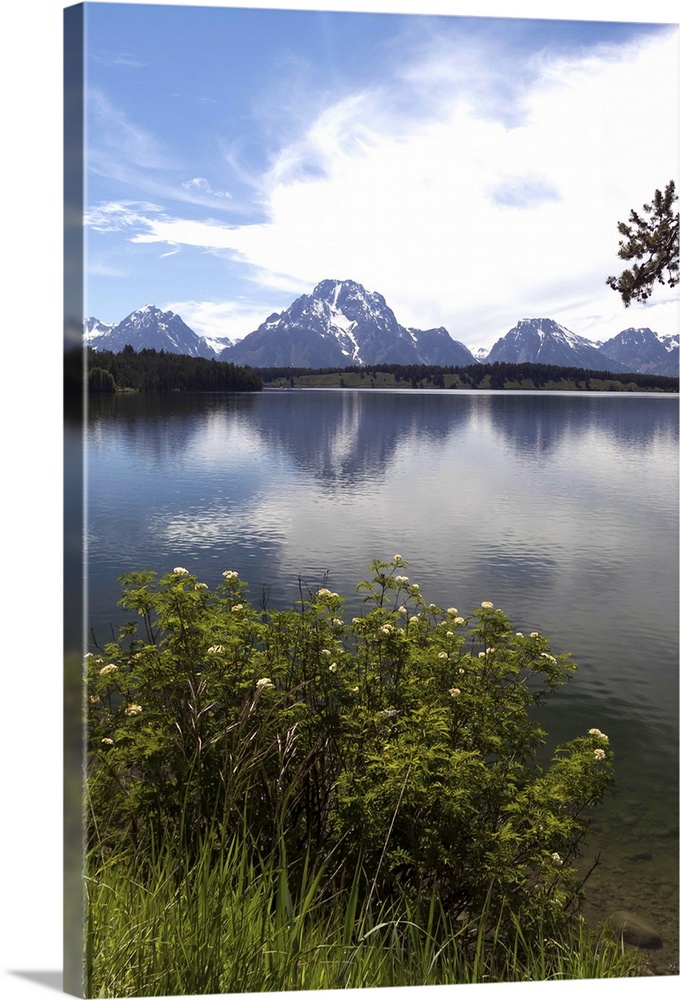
x=467, y=195
x=202, y=185
x=116, y=139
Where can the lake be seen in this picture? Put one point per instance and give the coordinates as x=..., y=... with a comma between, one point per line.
x=561, y=508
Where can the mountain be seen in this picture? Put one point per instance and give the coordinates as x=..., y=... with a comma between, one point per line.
x=147, y=327
x=93, y=329
x=543, y=341
x=639, y=349
x=218, y=344
x=437, y=347
x=341, y=324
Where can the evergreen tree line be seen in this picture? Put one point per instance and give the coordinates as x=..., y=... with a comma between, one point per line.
x=149, y=370
x=471, y=376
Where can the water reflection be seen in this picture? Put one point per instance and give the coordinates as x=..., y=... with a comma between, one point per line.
x=560, y=509
x=536, y=430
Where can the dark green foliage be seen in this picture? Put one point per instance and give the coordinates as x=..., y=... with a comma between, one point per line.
x=651, y=237
x=400, y=745
x=157, y=371
x=499, y=375
x=100, y=380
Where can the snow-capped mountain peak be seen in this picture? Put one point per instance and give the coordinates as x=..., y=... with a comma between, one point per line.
x=148, y=327
x=341, y=323
x=544, y=341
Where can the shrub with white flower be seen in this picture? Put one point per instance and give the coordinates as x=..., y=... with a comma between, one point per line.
x=362, y=716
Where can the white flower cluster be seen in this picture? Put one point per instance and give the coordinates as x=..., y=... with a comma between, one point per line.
x=110, y=668
x=180, y=571
x=599, y=754
x=133, y=709
x=486, y=604
x=600, y=735
x=264, y=682
x=230, y=574
x=401, y=580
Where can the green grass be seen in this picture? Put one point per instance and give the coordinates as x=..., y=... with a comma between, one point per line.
x=230, y=925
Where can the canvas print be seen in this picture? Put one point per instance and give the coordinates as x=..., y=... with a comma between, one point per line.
x=371, y=540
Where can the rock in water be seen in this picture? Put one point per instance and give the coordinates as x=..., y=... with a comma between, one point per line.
x=634, y=930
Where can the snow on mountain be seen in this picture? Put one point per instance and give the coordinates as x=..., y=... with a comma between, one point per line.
x=93, y=329
x=341, y=323
x=150, y=327
x=639, y=349
x=218, y=344
x=543, y=341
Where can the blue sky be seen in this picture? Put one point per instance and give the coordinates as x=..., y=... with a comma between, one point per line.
x=472, y=170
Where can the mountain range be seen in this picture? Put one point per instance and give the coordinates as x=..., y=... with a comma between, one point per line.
x=340, y=324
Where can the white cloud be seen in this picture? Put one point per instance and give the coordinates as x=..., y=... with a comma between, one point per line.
x=460, y=217
x=232, y=319
x=121, y=141
x=202, y=185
